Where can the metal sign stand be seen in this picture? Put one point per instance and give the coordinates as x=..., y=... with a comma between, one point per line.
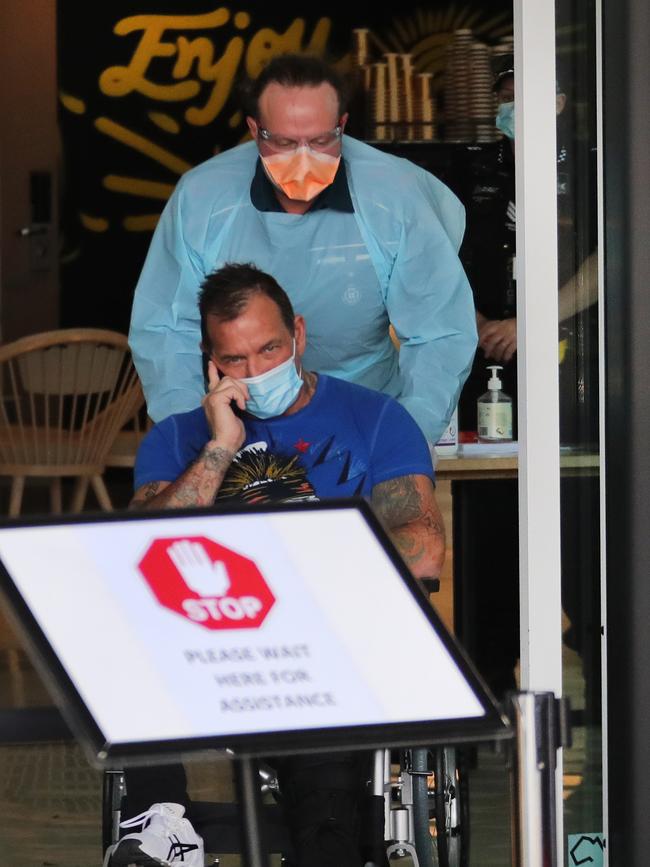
x=249, y=796
x=541, y=724
x=541, y=727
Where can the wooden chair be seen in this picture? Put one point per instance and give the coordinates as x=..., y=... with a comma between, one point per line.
x=126, y=444
x=65, y=396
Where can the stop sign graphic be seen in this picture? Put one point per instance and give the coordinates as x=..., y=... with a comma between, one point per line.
x=207, y=583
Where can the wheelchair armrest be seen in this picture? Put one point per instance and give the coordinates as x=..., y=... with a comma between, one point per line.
x=430, y=585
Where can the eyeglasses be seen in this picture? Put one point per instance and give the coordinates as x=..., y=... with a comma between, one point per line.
x=287, y=145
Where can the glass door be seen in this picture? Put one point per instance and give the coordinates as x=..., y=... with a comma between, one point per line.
x=578, y=183
x=559, y=335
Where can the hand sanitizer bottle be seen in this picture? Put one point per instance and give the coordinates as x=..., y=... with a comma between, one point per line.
x=494, y=412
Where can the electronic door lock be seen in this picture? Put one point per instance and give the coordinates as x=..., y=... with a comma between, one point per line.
x=39, y=232
x=40, y=246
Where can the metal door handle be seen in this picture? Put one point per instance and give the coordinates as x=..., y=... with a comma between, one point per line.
x=31, y=231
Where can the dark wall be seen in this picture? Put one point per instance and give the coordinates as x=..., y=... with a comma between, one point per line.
x=144, y=98
x=626, y=29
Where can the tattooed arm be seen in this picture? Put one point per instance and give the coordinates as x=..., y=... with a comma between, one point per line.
x=407, y=508
x=200, y=483
x=197, y=486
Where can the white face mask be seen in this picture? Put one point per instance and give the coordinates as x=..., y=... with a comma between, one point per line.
x=272, y=393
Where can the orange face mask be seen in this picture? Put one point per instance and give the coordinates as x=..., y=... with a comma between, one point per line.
x=303, y=174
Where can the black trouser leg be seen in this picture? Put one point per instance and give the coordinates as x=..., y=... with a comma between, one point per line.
x=154, y=784
x=324, y=796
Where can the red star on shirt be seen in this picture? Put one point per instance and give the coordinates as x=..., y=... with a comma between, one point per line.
x=301, y=445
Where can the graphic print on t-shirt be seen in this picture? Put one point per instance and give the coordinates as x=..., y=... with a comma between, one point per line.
x=263, y=472
x=259, y=476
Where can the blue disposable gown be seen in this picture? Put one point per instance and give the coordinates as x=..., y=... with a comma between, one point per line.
x=394, y=260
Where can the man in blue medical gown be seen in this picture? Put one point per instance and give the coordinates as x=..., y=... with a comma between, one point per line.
x=358, y=238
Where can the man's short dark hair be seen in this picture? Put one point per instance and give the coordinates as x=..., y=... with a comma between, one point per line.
x=508, y=74
x=501, y=78
x=226, y=292
x=293, y=70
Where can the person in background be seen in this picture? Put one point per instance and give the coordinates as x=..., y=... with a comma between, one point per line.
x=489, y=254
x=490, y=508
x=359, y=239
x=270, y=430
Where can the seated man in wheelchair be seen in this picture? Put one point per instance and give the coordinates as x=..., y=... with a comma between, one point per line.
x=269, y=430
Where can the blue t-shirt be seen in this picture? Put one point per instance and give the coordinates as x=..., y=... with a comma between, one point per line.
x=344, y=442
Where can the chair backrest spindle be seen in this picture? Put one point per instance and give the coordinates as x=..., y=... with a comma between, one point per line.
x=65, y=396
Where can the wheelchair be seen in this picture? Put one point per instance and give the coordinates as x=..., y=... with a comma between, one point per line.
x=425, y=794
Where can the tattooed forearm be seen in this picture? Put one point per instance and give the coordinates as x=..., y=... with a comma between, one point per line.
x=408, y=509
x=216, y=460
x=421, y=547
x=410, y=547
x=197, y=486
x=397, y=501
x=146, y=493
x=432, y=521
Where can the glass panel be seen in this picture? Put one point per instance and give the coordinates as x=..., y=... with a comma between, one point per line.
x=578, y=375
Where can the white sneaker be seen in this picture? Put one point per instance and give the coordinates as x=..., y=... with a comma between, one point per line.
x=166, y=838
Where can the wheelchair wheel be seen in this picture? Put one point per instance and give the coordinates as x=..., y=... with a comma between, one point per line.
x=422, y=840
x=447, y=803
x=451, y=807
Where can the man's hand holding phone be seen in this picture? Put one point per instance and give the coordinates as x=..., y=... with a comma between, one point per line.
x=227, y=428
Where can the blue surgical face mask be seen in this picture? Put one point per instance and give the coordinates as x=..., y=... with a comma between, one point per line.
x=505, y=120
x=273, y=392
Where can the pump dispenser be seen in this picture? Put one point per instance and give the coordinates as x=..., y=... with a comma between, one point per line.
x=494, y=411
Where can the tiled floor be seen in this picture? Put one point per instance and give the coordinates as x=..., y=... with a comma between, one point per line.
x=50, y=807
x=50, y=797
x=50, y=802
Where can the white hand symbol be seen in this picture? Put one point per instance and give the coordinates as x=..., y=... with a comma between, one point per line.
x=197, y=570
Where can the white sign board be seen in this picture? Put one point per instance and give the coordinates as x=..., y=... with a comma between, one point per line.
x=195, y=627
